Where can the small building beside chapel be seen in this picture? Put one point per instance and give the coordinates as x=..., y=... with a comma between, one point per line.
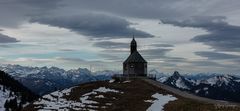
x=135, y=64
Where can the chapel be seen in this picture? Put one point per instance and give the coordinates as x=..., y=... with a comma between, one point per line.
x=135, y=64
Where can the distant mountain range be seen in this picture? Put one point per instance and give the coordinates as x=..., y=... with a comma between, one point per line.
x=221, y=87
x=43, y=80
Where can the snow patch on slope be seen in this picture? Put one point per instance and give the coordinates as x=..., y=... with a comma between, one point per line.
x=126, y=81
x=111, y=81
x=55, y=100
x=4, y=96
x=160, y=101
x=237, y=80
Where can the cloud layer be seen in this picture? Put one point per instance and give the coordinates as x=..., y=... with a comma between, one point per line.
x=192, y=35
x=111, y=45
x=217, y=55
x=94, y=25
x=221, y=35
x=7, y=39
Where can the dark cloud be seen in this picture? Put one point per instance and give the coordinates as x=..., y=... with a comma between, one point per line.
x=4, y=46
x=161, y=45
x=157, y=64
x=94, y=64
x=157, y=9
x=7, y=39
x=205, y=63
x=41, y=4
x=157, y=53
x=217, y=55
x=214, y=66
x=221, y=35
x=133, y=8
x=149, y=55
x=206, y=22
x=101, y=20
x=111, y=57
x=111, y=45
x=94, y=25
x=175, y=59
x=67, y=50
x=117, y=51
x=70, y=59
x=16, y=12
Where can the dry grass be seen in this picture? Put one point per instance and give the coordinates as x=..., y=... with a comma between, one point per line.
x=133, y=98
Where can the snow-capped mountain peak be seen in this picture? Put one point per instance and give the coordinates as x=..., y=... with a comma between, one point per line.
x=48, y=79
x=176, y=74
x=220, y=80
x=223, y=87
x=176, y=80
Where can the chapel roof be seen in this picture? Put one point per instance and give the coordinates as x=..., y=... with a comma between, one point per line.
x=135, y=57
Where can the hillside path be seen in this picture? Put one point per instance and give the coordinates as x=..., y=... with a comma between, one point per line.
x=189, y=96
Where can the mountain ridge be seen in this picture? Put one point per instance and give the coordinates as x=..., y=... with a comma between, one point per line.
x=221, y=87
x=43, y=80
x=120, y=95
x=13, y=95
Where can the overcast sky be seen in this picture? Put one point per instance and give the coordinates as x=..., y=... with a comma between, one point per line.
x=190, y=36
